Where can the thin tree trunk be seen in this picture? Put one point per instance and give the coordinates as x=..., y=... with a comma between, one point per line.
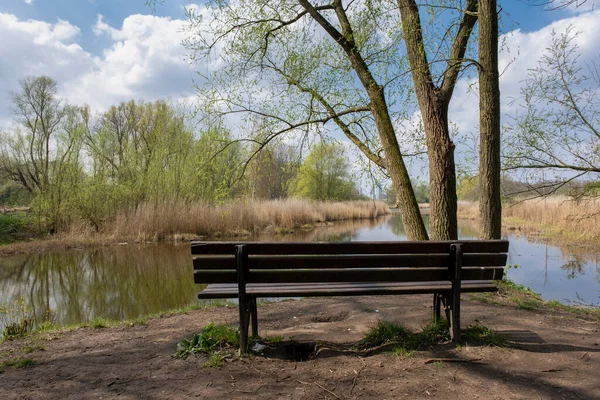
x=490, y=207
x=405, y=196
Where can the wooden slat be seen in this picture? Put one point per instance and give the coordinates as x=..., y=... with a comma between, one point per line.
x=347, y=275
x=215, y=276
x=469, y=246
x=347, y=261
x=342, y=289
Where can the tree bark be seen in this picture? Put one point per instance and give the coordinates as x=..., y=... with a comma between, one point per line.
x=433, y=103
x=490, y=207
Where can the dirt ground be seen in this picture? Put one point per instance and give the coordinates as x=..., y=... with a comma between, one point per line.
x=554, y=356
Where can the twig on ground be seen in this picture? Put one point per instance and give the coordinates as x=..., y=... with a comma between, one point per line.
x=357, y=374
x=456, y=360
x=324, y=388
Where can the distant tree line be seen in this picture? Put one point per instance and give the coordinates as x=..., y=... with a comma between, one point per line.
x=69, y=163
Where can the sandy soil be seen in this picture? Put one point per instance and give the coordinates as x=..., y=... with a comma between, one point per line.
x=555, y=356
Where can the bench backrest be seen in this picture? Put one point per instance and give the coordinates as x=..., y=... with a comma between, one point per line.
x=300, y=262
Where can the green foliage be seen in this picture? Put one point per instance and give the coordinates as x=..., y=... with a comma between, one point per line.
x=212, y=339
x=467, y=188
x=12, y=227
x=12, y=194
x=324, y=175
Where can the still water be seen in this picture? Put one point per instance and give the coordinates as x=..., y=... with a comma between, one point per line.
x=127, y=281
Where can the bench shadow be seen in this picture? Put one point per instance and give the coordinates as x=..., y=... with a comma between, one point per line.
x=532, y=342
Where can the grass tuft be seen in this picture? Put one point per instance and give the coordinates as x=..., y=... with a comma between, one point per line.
x=98, y=323
x=385, y=333
x=214, y=339
x=19, y=362
x=402, y=352
x=482, y=335
x=434, y=333
x=431, y=334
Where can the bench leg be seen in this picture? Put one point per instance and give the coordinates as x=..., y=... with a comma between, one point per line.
x=244, y=322
x=437, y=300
x=254, y=315
x=452, y=310
x=455, y=322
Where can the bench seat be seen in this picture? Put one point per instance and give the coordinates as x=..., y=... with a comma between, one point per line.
x=266, y=290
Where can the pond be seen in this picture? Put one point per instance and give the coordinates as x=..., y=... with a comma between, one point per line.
x=127, y=281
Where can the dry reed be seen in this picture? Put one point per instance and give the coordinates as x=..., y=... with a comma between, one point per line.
x=159, y=221
x=578, y=219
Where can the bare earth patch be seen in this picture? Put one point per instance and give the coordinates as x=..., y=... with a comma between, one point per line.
x=555, y=356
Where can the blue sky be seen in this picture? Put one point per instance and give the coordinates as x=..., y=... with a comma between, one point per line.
x=105, y=51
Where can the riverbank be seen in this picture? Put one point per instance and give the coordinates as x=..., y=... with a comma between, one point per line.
x=181, y=222
x=556, y=217
x=548, y=355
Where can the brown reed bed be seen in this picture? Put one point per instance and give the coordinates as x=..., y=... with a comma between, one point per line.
x=555, y=216
x=164, y=220
x=179, y=221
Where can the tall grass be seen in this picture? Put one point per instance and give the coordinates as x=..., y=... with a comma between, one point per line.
x=162, y=220
x=558, y=214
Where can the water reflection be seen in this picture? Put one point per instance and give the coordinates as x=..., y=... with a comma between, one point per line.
x=121, y=282
x=567, y=273
x=117, y=282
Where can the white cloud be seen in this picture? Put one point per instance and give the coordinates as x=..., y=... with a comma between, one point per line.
x=144, y=59
x=36, y=48
x=28, y=1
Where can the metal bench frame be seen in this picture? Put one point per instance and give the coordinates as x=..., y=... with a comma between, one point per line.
x=250, y=270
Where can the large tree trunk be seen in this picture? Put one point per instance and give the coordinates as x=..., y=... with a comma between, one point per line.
x=442, y=174
x=433, y=103
x=490, y=207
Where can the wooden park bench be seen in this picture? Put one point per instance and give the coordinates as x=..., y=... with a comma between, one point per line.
x=252, y=270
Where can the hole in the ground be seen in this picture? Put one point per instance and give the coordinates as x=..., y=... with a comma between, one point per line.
x=297, y=351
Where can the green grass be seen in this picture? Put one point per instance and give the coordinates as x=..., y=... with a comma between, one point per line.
x=18, y=363
x=13, y=227
x=270, y=339
x=482, y=335
x=99, y=322
x=514, y=294
x=216, y=359
x=402, y=352
x=385, y=333
x=525, y=303
x=431, y=334
x=212, y=340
